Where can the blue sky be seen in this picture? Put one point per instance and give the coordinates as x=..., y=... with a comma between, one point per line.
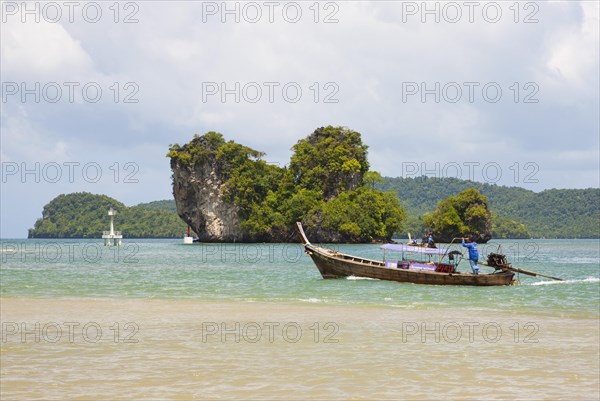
x=93, y=93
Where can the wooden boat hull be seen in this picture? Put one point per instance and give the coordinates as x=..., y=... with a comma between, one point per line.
x=333, y=264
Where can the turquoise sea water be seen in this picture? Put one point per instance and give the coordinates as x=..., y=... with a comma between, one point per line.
x=156, y=319
x=167, y=269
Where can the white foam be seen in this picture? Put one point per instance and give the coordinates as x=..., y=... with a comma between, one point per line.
x=575, y=260
x=360, y=278
x=586, y=280
x=311, y=300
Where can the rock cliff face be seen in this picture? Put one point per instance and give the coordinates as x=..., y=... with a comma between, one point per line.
x=198, y=192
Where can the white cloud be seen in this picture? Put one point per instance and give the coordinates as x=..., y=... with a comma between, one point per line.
x=574, y=56
x=22, y=141
x=41, y=50
x=368, y=54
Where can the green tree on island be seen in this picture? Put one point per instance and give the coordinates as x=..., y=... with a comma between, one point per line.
x=330, y=160
x=503, y=228
x=465, y=214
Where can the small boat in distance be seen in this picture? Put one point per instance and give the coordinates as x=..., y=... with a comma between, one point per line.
x=333, y=264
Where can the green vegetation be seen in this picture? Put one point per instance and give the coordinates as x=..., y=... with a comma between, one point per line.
x=553, y=213
x=85, y=215
x=160, y=205
x=466, y=214
x=329, y=187
x=323, y=186
x=363, y=214
x=503, y=228
x=330, y=160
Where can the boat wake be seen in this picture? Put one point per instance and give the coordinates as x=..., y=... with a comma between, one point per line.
x=360, y=278
x=585, y=280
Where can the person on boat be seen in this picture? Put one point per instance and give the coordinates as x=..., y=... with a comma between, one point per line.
x=430, y=241
x=473, y=253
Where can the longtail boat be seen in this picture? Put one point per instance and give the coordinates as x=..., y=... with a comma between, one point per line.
x=333, y=264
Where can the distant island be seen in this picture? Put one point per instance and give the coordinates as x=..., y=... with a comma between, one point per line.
x=227, y=193
x=84, y=215
x=537, y=211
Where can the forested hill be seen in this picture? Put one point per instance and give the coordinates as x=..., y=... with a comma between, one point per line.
x=553, y=213
x=160, y=205
x=85, y=215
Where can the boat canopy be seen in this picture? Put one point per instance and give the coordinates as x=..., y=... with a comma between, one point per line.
x=414, y=249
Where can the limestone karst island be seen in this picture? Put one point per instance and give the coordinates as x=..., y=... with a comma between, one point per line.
x=227, y=192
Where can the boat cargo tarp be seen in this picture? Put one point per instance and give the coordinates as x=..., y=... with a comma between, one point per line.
x=414, y=249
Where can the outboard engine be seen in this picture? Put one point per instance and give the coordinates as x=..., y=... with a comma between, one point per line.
x=497, y=261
